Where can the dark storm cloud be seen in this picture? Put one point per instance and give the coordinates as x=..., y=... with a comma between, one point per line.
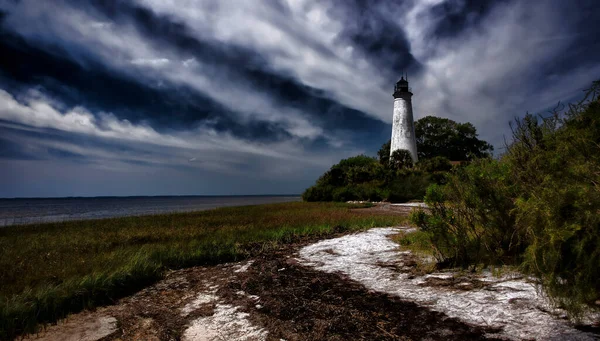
x=11, y=150
x=101, y=89
x=376, y=36
x=76, y=80
x=22, y=143
x=579, y=35
x=456, y=16
x=226, y=90
x=164, y=31
x=245, y=64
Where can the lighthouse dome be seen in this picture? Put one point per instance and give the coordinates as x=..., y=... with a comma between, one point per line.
x=401, y=87
x=402, y=81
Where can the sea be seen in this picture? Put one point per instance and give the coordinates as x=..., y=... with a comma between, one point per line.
x=42, y=210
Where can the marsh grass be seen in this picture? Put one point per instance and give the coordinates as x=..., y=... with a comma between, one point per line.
x=50, y=270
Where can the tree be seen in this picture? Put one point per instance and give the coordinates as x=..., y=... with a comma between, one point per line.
x=435, y=164
x=401, y=159
x=438, y=136
x=396, y=178
x=384, y=153
x=354, y=178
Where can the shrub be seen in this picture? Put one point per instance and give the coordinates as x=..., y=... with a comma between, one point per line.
x=364, y=178
x=357, y=192
x=384, y=153
x=318, y=193
x=435, y=164
x=401, y=159
x=557, y=161
x=471, y=218
x=537, y=205
x=396, y=178
x=407, y=186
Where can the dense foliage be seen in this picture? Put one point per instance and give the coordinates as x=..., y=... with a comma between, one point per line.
x=366, y=178
x=395, y=178
x=537, y=206
x=438, y=136
x=359, y=178
x=442, y=137
x=472, y=220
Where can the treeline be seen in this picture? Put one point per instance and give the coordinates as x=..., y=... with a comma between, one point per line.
x=396, y=179
x=537, y=206
x=366, y=178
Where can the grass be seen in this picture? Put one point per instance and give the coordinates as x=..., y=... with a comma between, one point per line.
x=50, y=270
x=419, y=243
x=416, y=241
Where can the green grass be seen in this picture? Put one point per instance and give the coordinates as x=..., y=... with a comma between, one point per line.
x=418, y=242
x=50, y=270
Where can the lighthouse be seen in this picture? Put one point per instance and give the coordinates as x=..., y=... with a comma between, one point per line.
x=403, y=128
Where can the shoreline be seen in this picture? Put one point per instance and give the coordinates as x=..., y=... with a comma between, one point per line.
x=19, y=212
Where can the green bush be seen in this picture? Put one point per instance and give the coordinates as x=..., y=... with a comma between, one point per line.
x=358, y=192
x=557, y=161
x=318, y=193
x=407, y=186
x=537, y=206
x=396, y=178
x=471, y=218
x=364, y=178
x=435, y=164
x=401, y=159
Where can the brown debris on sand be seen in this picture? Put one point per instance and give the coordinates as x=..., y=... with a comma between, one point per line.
x=508, y=304
x=271, y=297
x=299, y=303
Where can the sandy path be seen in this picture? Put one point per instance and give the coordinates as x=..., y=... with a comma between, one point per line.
x=353, y=287
x=509, y=304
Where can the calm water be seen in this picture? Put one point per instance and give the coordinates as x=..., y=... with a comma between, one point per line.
x=26, y=211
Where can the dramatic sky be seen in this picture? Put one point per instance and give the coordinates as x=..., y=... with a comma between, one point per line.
x=163, y=97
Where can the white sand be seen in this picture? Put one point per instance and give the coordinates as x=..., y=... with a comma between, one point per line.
x=512, y=304
x=410, y=204
x=201, y=299
x=227, y=324
x=243, y=268
x=81, y=327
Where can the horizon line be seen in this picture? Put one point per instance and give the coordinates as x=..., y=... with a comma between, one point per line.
x=156, y=196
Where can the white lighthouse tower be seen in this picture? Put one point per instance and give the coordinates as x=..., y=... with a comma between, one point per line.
x=403, y=129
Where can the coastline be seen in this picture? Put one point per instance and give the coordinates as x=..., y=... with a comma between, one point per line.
x=24, y=211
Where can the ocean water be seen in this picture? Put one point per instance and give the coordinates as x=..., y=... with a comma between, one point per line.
x=28, y=211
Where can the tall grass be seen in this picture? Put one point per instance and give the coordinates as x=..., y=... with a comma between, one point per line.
x=50, y=270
